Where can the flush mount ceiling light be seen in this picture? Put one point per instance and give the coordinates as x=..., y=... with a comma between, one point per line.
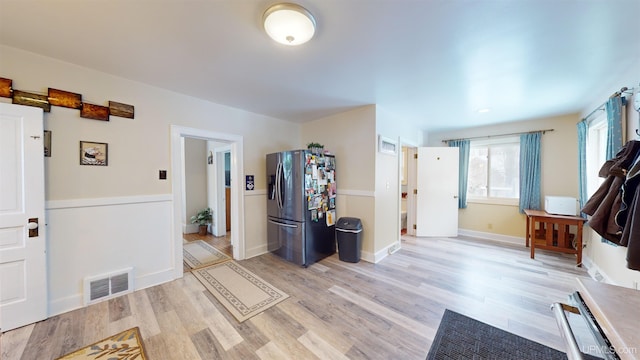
x=289, y=24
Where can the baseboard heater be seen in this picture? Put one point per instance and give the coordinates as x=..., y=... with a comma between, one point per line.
x=597, y=345
x=106, y=286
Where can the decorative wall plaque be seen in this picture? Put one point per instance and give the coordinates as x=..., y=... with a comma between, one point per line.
x=95, y=112
x=30, y=99
x=65, y=99
x=5, y=87
x=121, y=110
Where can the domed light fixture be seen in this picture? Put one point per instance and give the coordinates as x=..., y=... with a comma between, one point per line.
x=289, y=24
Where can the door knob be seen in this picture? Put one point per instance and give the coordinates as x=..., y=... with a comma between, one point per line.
x=32, y=225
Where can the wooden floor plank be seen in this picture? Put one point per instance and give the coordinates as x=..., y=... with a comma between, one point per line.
x=13, y=343
x=335, y=309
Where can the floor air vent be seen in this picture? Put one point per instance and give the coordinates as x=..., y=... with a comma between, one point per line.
x=107, y=286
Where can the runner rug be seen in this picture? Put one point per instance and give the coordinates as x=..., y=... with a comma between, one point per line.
x=241, y=292
x=199, y=254
x=126, y=345
x=461, y=337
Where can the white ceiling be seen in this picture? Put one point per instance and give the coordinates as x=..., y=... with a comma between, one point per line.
x=432, y=62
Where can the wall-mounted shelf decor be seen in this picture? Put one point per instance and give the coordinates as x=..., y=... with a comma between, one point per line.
x=31, y=99
x=121, y=110
x=5, y=87
x=95, y=112
x=65, y=99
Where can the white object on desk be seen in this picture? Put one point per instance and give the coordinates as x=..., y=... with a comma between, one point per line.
x=560, y=205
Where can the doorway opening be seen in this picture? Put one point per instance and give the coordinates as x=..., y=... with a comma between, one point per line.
x=222, y=143
x=408, y=180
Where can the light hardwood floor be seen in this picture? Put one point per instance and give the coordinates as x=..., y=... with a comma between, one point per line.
x=336, y=310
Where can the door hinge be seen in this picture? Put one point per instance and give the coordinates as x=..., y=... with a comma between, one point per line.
x=415, y=191
x=415, y=227
x=415, y=156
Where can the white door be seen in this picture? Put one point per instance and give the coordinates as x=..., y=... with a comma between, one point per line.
x=23, y=277
x=437, y=192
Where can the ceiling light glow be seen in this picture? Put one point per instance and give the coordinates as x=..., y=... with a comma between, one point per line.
x=289, y=24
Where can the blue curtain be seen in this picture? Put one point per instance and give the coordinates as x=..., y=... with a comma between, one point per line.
x=613, y=107
x=582, y=164
x=614, y=126
x=530, y=173
x=463, y=148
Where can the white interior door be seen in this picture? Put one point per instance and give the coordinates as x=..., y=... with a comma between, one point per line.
x=23, y=277
x=220, y=212
x=437, y=195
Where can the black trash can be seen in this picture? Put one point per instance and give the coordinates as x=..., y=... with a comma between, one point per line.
x=349, y=235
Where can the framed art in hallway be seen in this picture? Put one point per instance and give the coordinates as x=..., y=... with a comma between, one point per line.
x=47, y=143
x=94, y=153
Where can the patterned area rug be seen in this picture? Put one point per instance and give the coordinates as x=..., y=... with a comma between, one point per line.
x=126, y=345
x=239, y=290
x=461, y=337
x=198, y=254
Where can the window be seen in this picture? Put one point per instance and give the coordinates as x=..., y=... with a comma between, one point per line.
x=596, y=152
x=494, y=168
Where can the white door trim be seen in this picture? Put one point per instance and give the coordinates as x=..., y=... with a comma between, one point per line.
x=178, y=133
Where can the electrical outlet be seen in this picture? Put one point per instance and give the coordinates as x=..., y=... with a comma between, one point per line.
x=162, y=175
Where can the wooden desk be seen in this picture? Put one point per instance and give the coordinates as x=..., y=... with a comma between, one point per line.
x=553, y=233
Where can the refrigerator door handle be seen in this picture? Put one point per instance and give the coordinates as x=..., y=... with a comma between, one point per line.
x=282, y=224
x=278, y=199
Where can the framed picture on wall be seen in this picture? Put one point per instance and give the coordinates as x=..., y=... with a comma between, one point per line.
x=47, y=143
x=94, y=153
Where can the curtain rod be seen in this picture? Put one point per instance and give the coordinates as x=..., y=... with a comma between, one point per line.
x=501, y=135
x=623, y=90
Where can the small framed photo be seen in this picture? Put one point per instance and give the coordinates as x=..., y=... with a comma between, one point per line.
x=47, y=143
x=94, y=153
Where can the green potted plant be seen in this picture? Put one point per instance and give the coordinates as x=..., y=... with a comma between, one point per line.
x=203, y=219
x=315, y=147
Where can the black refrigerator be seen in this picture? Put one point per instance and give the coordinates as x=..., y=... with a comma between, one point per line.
x=301, y=205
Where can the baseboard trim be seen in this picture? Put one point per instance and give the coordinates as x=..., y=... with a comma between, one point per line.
x=595, y=272
x=63, y=305
x=379, y=255
x=492, y=236
x=74, y=302
x=256, y=251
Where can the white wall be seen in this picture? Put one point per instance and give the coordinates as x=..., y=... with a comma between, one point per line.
x=388, y=192
x=105, y=218
x=350, y=136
